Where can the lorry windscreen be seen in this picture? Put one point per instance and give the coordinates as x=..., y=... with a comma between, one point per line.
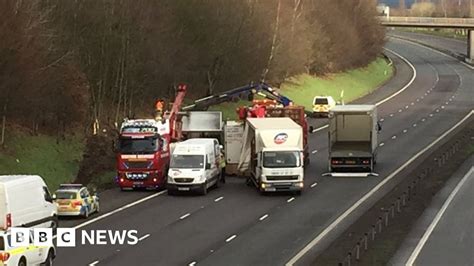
x=281, y=159
x=187, y=161
x=142, y=146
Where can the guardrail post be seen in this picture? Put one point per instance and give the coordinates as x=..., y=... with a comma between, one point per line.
x=373, y=232
x=366, y=238
x=358, y=251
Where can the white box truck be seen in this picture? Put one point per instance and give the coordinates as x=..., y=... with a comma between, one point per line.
x=25, y=201
x=194, y=166
x=352, y=144
x=272, y=154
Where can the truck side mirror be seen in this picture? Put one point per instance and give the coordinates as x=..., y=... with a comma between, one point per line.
x=208, y=166
x=311, y=129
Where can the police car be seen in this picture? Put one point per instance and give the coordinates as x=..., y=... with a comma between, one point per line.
x=22, y=256
x=75, y=200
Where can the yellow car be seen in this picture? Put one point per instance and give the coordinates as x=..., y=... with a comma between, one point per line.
x=75, y=200
x=322, y=105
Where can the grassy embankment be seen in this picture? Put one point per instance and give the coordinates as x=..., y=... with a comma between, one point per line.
x=55, y=162
x=59, y=163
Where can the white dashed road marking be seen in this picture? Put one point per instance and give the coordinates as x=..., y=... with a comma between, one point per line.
x=381, y=144
x=290, y=199
x=315, y=151
x=230, y=238
x=144, y=237
x=94, y=263
x=405, y=131
x=394, y=137
x=314, y=184
x=218, y=199
x=184, y=216
x=263, y=217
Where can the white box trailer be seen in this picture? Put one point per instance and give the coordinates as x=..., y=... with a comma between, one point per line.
x=352, y=136
x=233, y=142
x=272, y=154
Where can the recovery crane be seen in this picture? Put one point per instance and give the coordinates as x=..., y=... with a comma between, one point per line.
x=143, y=150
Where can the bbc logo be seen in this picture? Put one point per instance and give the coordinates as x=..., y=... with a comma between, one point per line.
x=66, y=237
x=23, y=237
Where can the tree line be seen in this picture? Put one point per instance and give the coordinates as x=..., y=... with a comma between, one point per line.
x=86, y=64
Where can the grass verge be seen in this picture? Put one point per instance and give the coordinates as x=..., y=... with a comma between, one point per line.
x=40, y=155
x=350, y=85
x=449, y=33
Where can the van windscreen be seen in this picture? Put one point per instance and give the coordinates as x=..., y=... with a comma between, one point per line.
x=320, y=101
x=187, y=161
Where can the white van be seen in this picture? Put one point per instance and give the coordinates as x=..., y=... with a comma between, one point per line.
x=25, y=201
x=194, y=166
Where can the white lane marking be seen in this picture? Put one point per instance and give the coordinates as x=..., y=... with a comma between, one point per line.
x=442, y=106
x=426, y=94
x=192, y=263
x=93, y=263
x=218, y=199
x=414, y=125
x=144, y=237
x=391, y=115
x=394, y=137
x=431, y=115
x=381, y=144
x=105, y=215
x=447, y=103
x=339, y=219
x=422, y=97
x=406, y=107
x=230, y=238
x=291, y=199
x=437, y=218
x=263, y=217
x=437, y=110
x=400, y=110
x=315, y=151
x=184, y=216
x=423, y=119
x=417, y=100
x=314, y=184
x=406, y=85
x=319, y=128
x=412, y=103
x=381, y=119
x=451, y=99
x=405, y=131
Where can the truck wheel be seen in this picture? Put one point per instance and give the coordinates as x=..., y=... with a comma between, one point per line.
x=203, y=190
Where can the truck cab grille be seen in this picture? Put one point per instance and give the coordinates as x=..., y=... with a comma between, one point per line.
x=282, y=177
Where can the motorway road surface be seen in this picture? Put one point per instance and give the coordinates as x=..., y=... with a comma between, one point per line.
x=444, y=234
x=234, y=225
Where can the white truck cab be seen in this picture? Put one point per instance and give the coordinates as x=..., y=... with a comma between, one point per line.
x=272, y=154
x=194, y=166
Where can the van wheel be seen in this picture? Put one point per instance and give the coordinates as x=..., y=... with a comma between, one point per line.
x=22, y=262
x=49, y=259
x=203, y=190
